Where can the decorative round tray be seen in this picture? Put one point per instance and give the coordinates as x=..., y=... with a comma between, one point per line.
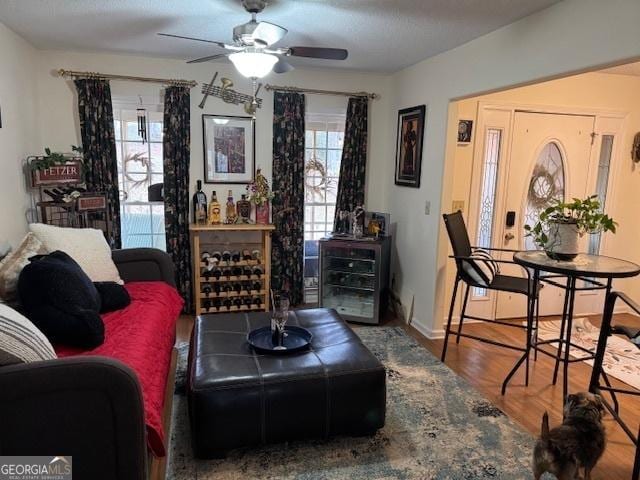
x=294, y=340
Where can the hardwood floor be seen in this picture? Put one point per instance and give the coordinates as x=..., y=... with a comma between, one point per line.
x=485, y=366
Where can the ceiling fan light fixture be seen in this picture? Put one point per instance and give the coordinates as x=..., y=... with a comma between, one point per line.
x=253, y=64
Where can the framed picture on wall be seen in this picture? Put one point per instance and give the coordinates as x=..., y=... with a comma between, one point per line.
x=229, y=148
x=409, y=146
x=465, y=128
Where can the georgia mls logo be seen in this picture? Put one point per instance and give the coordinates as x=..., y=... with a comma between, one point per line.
x=35, y=468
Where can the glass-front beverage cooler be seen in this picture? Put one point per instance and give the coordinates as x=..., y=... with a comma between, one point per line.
x=354, y=277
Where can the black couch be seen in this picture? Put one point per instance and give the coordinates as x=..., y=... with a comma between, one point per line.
x=87, y=407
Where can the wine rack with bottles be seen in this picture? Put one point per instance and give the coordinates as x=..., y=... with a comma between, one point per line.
x=231, y=275
x=354, y=277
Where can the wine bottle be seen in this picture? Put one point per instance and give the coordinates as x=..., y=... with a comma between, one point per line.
x=237, y=302
x=217, y=256
x=257, y=286
x=257, y=300
x=235, y=256
x=206, y=305
x=204, y=256
x=237, y=271
x=243, y=209
x=246, y=255
x=206, y=289
x=231, y=209
x=258, y=271
x=237, y=287
x=214, y=210
x=199, y=205
x=227, y=288
x=217, y=273
x=217, y=303
x=226, y=255
x=227, y=272
x=247, y=301
x=246, y=271
x=227, y=303
x=216, y=288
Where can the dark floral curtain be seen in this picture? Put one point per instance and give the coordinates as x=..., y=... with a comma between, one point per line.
x=354, y=157
x=288, y=185
x=99, y=146
x=176, y=157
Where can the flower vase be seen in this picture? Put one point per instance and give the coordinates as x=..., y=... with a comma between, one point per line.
x=262, y=213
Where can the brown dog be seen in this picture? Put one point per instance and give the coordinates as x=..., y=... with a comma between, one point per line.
x=578, y=443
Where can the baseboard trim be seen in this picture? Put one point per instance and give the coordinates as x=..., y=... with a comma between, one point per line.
x=426, y=331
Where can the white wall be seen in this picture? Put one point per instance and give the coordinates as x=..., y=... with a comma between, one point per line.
x=571, y=36
x=19, y=132
x=58, y=107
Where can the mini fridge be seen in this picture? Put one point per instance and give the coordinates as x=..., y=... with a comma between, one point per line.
x=354, y=277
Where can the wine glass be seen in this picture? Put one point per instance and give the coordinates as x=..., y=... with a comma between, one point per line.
x=280, y=316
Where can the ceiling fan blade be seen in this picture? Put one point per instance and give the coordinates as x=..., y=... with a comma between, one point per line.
x=220, y=44
x=268, y=33
x=206, y=59
x=319, y=52
x=282, y=66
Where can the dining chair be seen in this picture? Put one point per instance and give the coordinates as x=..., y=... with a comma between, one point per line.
x=471, y=262
x=597, y=373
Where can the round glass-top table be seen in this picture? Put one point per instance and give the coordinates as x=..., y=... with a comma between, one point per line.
x=584, y=265
x=596, y=272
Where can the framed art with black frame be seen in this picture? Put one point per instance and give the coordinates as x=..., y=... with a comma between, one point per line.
x=229, y=148
x=409, y=139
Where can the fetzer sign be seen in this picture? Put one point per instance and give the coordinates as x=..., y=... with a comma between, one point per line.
x=67, y=173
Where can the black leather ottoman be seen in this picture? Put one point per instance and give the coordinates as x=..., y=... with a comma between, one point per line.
x=239, y=398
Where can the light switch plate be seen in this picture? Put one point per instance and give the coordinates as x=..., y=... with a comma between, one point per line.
x=427, y=207
x=457, y=205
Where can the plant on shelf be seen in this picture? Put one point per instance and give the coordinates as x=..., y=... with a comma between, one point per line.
x=260, y=195
x=51, y=159
x=258, y=191
x=561, y=225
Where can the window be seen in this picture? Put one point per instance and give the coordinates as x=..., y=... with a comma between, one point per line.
x=545, y=187
x=323, y=153
x=139, y=166
x=488, y=194
x=604, y=164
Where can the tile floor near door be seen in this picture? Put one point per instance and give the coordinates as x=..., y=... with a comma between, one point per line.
x=484, y=367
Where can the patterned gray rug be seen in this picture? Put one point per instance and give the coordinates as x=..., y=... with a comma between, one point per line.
x=438, y=427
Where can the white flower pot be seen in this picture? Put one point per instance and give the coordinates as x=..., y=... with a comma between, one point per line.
x=563, y=241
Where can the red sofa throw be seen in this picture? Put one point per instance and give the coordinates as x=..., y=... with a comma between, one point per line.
x=142, y=336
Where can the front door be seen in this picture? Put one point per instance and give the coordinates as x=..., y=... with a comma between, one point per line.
x=550, y=160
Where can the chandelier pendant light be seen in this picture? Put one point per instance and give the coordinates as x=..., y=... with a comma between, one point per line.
x=253, y=63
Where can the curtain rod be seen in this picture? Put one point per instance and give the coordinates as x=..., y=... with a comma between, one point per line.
x=182, y=83
x=321, y=92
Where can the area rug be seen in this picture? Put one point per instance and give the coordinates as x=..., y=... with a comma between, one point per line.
x=437, y=427
x=621, y=358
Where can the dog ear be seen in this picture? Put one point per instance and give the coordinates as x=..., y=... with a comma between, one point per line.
x=599, y=403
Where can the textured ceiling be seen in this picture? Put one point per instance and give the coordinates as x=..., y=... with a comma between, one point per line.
x=381, y=35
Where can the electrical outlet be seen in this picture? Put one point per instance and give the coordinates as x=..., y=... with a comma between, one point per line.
x=427, y=207
x=457, y=205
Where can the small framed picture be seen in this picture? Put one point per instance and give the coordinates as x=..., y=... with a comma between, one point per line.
x=409, y=146
x=229, y=149
x=465, y=128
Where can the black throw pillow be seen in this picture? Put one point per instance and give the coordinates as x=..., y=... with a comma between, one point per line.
x=113, y=296
x=61, y=300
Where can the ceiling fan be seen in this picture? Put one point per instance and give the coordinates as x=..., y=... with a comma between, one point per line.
x=251, y=51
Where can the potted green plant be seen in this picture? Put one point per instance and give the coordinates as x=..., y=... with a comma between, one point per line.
x=560, y=226
x=52, y=159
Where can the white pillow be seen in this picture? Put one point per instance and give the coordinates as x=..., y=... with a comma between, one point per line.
x=20, y=340
x=87, y=246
